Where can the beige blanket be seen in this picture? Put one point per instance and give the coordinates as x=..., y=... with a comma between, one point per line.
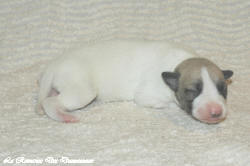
x=33, y=32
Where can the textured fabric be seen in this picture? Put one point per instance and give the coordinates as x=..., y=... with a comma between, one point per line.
x=33, y=32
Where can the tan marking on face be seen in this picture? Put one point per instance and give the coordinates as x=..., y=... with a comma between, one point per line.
x=191, y=73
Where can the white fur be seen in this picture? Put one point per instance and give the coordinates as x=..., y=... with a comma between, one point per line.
x=117, y=70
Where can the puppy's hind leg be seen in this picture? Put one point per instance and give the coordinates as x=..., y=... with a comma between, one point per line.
x=58, y=107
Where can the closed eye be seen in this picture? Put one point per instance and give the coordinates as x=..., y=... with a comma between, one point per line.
x=190, y=90
x=190, y=94
x=222, y=89
x=193, y=91
x=190, y=100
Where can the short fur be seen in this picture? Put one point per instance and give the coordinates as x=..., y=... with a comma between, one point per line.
x=120, y=70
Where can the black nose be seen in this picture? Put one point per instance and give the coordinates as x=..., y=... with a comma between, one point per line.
x=215, y=115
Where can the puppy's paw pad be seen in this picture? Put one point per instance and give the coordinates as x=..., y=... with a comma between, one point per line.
x=66, y=118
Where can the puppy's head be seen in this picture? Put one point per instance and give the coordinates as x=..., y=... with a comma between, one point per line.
x=200, y=88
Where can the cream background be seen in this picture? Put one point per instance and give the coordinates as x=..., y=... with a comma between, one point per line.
x=33, y=32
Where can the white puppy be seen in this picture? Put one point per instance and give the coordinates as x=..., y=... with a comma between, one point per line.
x=151, y=74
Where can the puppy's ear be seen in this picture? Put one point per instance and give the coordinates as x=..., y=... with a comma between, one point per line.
x=171, y=79
x=227, y=74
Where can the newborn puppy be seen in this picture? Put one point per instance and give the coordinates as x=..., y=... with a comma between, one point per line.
x=152, y=74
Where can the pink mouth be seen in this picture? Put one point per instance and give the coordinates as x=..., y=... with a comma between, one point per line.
x=212, y=121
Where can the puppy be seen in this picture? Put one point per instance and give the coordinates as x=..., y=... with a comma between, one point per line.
x=152, y=74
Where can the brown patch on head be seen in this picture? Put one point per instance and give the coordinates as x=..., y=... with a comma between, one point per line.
x=190, y=79
x=190, y=70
